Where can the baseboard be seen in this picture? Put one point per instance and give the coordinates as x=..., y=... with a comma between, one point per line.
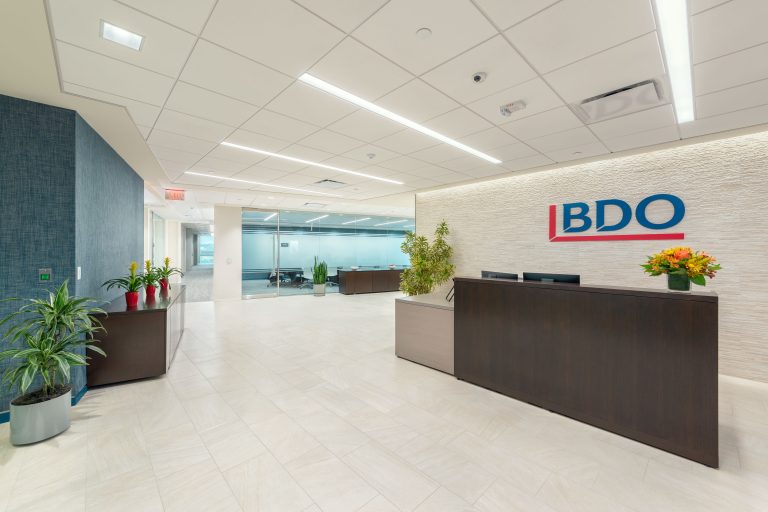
x=5, y=416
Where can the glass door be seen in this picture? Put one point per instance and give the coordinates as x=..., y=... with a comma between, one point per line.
x=261, y=265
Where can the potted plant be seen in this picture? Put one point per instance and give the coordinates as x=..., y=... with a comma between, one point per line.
x=164, y=273
x=130, y=283
x=43, y=339
x=683, y=266
x=319, y=277
x=430, y=263
x=149, y=279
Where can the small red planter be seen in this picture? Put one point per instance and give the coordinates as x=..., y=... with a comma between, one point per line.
x=164, y=285
x=131, y=299
x=150, y=292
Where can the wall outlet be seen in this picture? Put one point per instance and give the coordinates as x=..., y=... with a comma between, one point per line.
x=79, y=273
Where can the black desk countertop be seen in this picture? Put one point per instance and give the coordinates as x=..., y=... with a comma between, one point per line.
x=161, y=302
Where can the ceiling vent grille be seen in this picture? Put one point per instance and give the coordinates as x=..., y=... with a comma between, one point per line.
x=329, y=184
x=620, y=102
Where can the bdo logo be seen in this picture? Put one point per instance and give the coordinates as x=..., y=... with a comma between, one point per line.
x=611, y=215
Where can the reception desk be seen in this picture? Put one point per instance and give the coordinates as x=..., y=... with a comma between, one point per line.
x=640, y=363
x=369, y=281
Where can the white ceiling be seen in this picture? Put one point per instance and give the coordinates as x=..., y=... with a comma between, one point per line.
x=212, y=71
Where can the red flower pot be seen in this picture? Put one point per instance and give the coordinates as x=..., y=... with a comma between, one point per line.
x=150, y=292
x=131, y=299
x=164, y=285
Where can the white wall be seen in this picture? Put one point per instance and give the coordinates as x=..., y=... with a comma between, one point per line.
x=502, y=225
x=173, y=246
x=227, y=253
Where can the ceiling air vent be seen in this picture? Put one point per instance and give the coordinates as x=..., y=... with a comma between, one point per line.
x=329, y=184
x=315, y=205
x=633, y=98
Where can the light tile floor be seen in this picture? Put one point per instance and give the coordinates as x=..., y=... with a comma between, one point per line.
x=297, y=404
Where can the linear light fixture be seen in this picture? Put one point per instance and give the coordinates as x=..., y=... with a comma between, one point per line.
x=316, y=218
x=673, y=23
x=360, y=102
x=390, y=222
x=121, y=36
x=307, y=162
x=271, y=215
x=302, y=190
x=356, y=220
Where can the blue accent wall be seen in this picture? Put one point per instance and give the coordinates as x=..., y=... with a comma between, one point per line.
x=67, y=200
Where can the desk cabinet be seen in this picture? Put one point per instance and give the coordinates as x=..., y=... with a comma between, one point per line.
x=369, y=281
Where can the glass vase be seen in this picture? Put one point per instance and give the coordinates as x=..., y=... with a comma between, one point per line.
x=678, y=282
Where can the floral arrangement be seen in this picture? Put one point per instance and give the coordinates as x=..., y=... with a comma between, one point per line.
x=684, y=261
x=150, y=277
x=166, y=271
x=130, y=283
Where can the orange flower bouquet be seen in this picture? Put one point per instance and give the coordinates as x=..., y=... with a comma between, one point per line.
x=683, y=266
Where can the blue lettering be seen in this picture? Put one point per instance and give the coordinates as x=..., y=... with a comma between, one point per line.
x=677, y=215
x=626, y=214
x=581, y=214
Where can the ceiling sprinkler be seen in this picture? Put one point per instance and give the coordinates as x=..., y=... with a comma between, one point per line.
x=509, y=108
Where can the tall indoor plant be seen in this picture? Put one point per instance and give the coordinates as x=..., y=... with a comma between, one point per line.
x=319, y=277
x=430, y=263
x=41, y=342
x=164, y=274
x=131, y=284
x=683, y=266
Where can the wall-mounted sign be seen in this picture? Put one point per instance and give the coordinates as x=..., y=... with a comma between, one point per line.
x=612, y=215
x=174, y=194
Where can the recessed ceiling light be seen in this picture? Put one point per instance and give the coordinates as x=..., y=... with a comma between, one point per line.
x=356, y=220
x=316, y=218
x=360, y=102
x=673, y=23
x=423, y=33
x=391, y=222
x=302, y=190
x=307, y=162
x=121, y=36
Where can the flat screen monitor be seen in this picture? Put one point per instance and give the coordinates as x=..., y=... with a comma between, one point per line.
x=551, y=278
x=489, y=274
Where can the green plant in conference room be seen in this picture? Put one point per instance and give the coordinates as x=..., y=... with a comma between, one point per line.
x=42, y=343
x=430, y=263
x=319, y=277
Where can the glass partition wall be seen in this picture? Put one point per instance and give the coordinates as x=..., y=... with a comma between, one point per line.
x=279, y=248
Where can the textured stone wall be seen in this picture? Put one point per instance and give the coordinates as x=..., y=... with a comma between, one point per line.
x=502, y=225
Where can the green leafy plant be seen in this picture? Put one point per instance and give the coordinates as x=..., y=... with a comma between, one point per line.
x=166, y=271
x=130, y=283
x=43, y=337
x=319, y=272
x=430, y=263
x=149, y=277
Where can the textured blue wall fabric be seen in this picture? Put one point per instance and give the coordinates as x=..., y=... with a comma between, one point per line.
x=66, y=200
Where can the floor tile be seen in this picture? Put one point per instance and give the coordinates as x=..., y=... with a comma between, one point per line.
x=263, y=485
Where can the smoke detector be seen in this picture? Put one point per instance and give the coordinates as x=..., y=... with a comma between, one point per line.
x=510, y=108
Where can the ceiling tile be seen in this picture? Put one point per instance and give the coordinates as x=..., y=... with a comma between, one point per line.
x=345, y=14
x=278, y=126
x=163, y=50
x=489, y=139
x=439, y=153
x=142, y=113
x=235, y=155
x=643, y=139
x=551, y=121
x=172, y=168
x=505, y=13
x=332, y=142
x=144, y=130
x=645, y=120
x=451, y=177
x=346, y=163
x=578, y=152
x=536, y=94
x=623, y=65
x=174, y=155
x=222, y=71
x=281, y=35
x=562, y=140
x=573, y=29
x=728, y=28
x=736, y=98
x=359, y=70
x=427, y=171
x=260, y=173
x=730, y=121
x=209, y=105
x=456, y=27
x=696, y=6
x=500, y=62
x=257, y=141
x=311, y=105
x=182, y=13
x=219, y=165
x=180, y=142
x=405, y=164
x=731, y=70
x=513, y=152
x=188, y=179
x=365, y=125
x=81, y=67
x=458, y=123
x=527, y=163
x=184, y=124
x=380, y=155
x=406, y=141
x=417, y=101
x=462, y=164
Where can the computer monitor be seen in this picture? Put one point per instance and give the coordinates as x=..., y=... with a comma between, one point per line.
x=551, y=278
x=489, y=274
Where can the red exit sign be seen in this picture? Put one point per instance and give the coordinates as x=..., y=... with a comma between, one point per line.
x=174, y=194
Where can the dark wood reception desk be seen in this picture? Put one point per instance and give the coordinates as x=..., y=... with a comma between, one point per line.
x=139, y=342
x=369, y=281
x=639, y=363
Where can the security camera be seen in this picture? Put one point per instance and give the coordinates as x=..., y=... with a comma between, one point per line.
x=478, y=77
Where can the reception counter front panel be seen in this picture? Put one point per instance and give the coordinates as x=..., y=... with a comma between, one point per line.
x=640, y=363
x=369, y=281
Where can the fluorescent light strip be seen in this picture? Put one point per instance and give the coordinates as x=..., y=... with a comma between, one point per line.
x=356, y=220
x=307, y=162
x=390, y=222
x=316, y=218
x=121, y=36
x=360, y=102
x=673, y=23
x=302, y=190
x=270, y=216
